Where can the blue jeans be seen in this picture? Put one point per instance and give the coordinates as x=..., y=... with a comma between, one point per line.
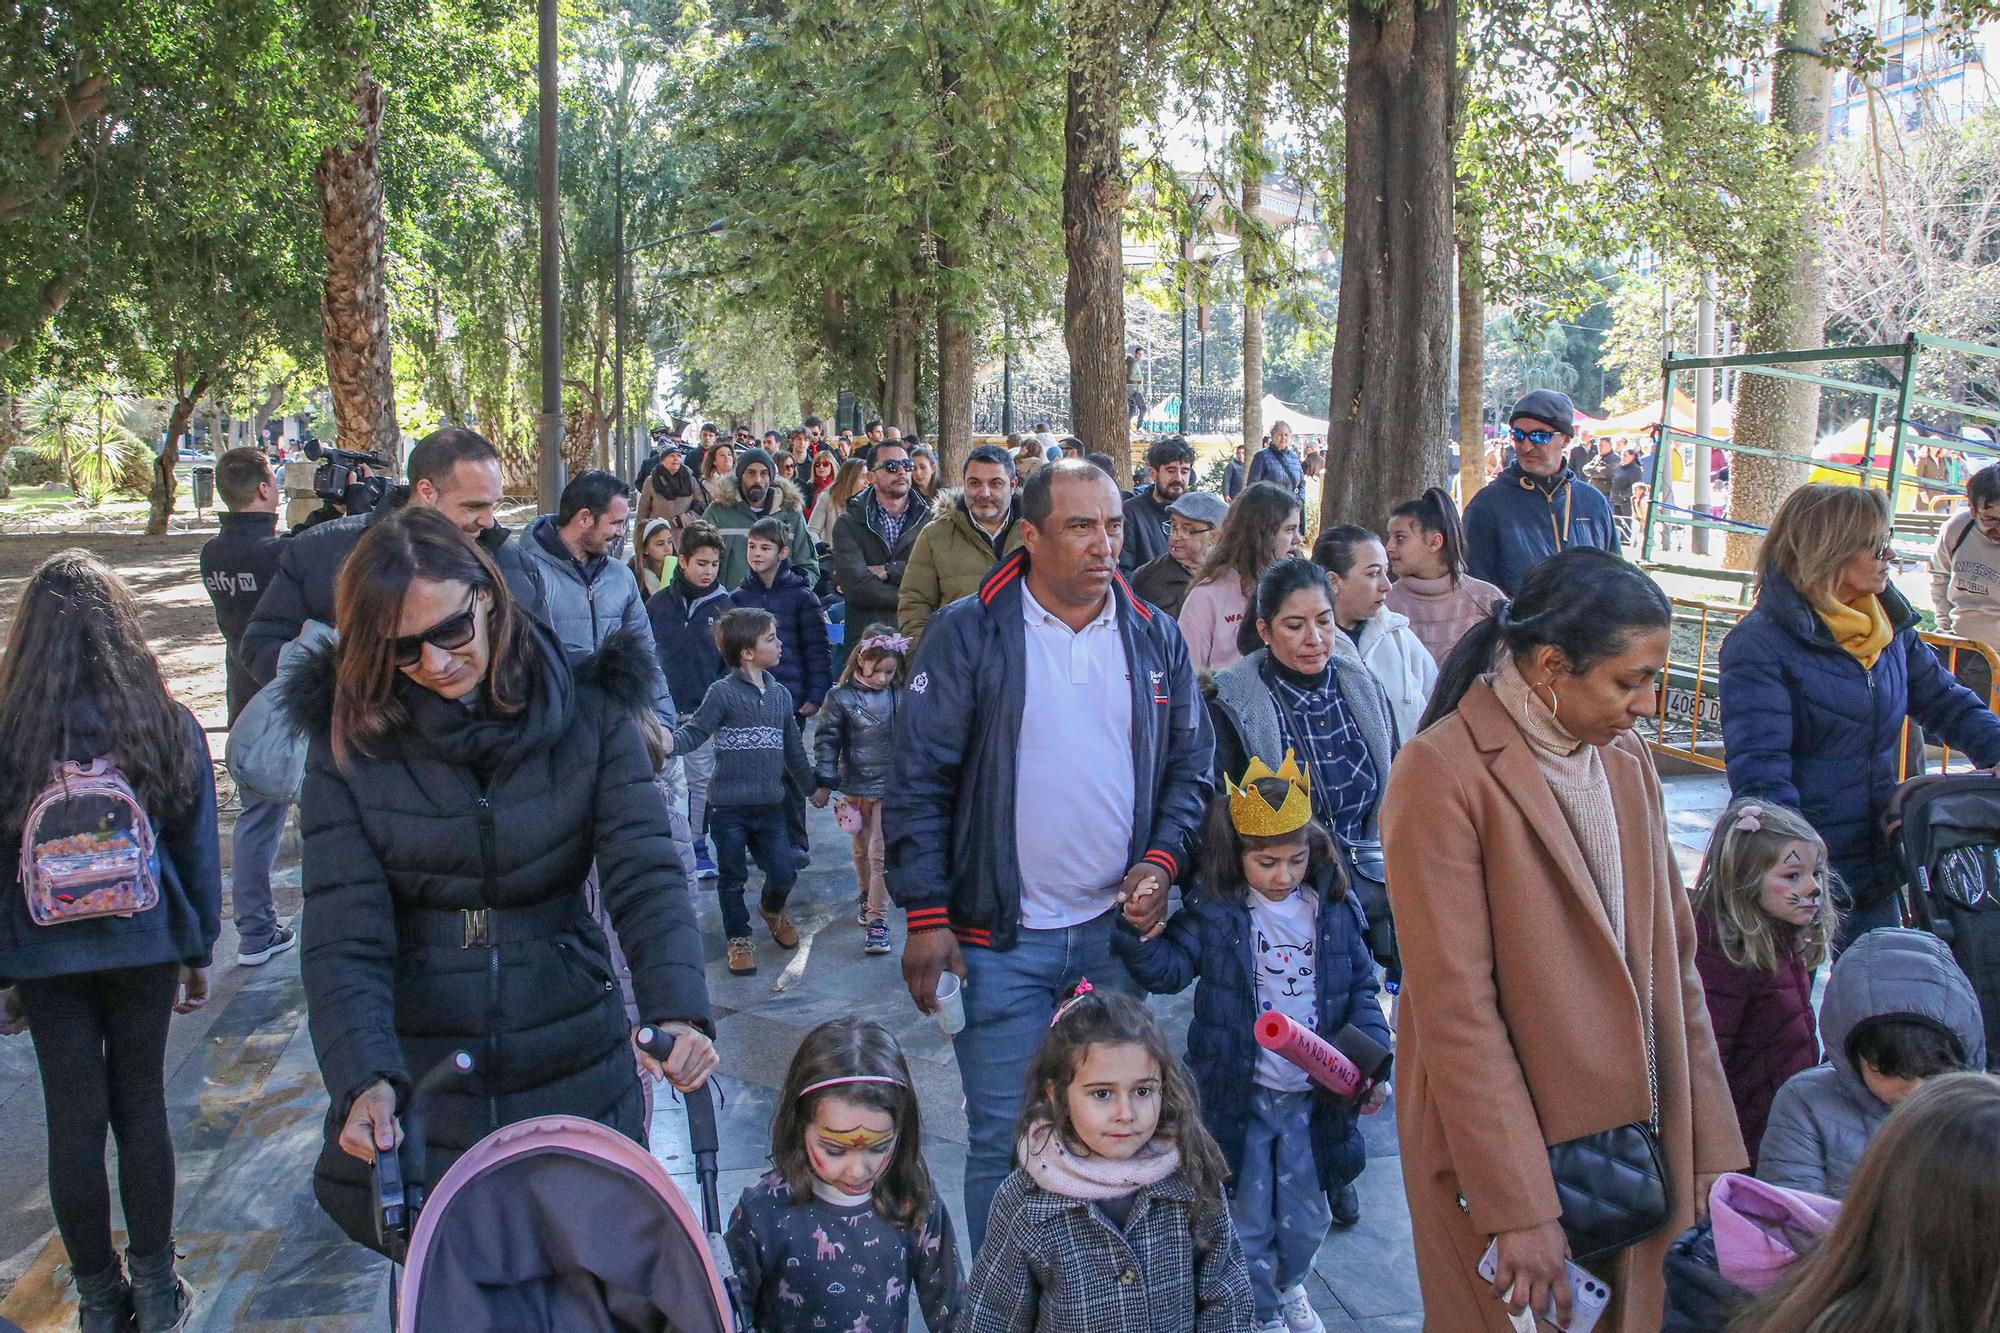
x=1010, y=996
x=742, y=832
x=253, y=851
x=1281, y=1213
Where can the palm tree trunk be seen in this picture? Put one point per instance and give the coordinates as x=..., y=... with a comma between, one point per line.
x=354, y=304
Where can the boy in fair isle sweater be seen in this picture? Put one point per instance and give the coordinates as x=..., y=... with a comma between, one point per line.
x=757, y=743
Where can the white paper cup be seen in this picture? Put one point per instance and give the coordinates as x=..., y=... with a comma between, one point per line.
x=950, y=1004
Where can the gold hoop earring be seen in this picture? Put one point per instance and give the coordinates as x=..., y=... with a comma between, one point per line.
x=1555, y=704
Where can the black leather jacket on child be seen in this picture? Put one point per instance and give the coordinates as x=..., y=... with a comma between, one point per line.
x=854, y=740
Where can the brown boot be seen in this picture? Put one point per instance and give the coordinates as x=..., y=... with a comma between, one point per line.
x=782, y=930
x=743, y=956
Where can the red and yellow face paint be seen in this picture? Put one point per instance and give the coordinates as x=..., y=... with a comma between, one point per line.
x=849, y=1146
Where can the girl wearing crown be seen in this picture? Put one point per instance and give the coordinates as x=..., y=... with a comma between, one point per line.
x=1274, y=931
x=1292, y=691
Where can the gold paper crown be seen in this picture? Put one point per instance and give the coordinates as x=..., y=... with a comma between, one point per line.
x=1253, y=815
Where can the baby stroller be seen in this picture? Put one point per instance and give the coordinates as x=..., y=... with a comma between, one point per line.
x=1946, y=831
x=555, y=1223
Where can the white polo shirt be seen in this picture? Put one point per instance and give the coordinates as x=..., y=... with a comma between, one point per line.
x=1073, y=786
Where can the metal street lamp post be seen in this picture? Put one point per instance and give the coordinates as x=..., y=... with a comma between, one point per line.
x=1007, y=376
x=1187, y=282
x=549, y=473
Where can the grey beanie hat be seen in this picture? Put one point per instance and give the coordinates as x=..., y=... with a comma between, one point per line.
x=745, y=457
x=1542, y=405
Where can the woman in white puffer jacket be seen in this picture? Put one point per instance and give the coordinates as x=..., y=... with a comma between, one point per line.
x=1358, y=568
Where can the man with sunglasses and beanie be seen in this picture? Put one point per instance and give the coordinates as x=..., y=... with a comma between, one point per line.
x=1536, y=506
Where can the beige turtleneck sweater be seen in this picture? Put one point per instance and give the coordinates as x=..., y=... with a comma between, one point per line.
x=1575, y=773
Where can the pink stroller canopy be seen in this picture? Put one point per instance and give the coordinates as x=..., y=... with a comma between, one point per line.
x=560, y=1223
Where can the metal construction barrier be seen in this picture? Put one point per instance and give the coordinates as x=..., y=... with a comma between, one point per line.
x=1687, y=722
x=1896, y=419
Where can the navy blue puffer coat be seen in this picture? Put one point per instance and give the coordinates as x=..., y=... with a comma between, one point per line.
x=1806, y=726
x=1211, y=939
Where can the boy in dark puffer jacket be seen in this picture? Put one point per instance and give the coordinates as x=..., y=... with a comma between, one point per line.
x=683, y=615
x=806, y=670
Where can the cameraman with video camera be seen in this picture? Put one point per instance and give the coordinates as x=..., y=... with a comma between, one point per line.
x=453, y=470
x=343, y=482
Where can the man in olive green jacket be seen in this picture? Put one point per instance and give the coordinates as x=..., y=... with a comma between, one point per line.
x=964, y=539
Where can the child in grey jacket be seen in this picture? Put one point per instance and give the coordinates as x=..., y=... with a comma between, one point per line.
x=854, y=741
x=749, y=715
x=1897, y=1010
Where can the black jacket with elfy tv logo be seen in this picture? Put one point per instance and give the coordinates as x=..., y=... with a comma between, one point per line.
x=237, y=564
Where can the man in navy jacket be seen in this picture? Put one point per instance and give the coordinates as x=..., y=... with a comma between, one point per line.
x=1052, y=762
x=1536, y=506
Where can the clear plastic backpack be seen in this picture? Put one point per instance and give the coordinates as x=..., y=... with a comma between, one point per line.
x=87, y=847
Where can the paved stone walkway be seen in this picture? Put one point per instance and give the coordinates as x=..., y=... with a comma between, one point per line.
x=246, y=1106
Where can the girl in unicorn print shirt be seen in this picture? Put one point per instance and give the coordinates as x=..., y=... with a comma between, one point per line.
x=847, y=1224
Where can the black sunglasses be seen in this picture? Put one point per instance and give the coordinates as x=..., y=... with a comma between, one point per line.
x=895, y=465
x=450, y=634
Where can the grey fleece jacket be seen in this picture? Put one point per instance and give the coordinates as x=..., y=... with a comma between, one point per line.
x=1823, y=1117
x=585, y=605
x=756, y=741
x=1245, y=701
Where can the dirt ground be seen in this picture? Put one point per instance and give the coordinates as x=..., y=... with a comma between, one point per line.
x=164, y=573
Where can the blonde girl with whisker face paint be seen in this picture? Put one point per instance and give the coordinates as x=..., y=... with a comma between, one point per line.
x=847, y=1225
x=1764, y=913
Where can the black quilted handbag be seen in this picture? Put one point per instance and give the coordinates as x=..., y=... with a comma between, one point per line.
x=1613, y=1189
x=1612, y=1184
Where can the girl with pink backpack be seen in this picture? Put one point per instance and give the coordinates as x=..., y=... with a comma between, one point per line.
x=106, y=790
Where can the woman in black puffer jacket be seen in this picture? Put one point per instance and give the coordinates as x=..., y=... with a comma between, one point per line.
x=462, y=779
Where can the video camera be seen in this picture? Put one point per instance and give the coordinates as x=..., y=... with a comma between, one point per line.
x=335, y=473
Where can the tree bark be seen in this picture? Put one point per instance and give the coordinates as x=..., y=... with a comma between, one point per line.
x=1471, y=368
x=899, y=395
x=354, y=305
x=1787, y=297
x=1392, y=341
x=10, y=436
x=1093, y=207
x=1253, y=272
x=160, y=499
x=954, y=379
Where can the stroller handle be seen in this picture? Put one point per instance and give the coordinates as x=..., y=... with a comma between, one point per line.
x=702, y=1135
x=439, y=1077
x=398, y=1175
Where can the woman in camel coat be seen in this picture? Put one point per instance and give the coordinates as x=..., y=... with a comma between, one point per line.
x=1543, y=928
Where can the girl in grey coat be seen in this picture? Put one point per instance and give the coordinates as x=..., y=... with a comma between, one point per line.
x=853, y=745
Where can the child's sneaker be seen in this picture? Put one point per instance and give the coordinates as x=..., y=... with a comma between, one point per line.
x=878, y=938
x=861, y=907
x=743, y=956
x=1300, y=1317
x=783, y=932
x=704, y=865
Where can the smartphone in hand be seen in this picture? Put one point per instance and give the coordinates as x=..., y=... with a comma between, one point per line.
x=1588, y=1295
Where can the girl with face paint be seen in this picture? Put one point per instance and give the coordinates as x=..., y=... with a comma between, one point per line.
x=1763, y=911
x=847, y=1225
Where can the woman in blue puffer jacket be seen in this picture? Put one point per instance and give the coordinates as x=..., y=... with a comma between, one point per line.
x=1819, y=679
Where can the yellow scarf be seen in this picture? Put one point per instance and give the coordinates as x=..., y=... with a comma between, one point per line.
x=1862, y=628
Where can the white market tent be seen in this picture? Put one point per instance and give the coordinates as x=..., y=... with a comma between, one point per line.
x=1301, y=422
